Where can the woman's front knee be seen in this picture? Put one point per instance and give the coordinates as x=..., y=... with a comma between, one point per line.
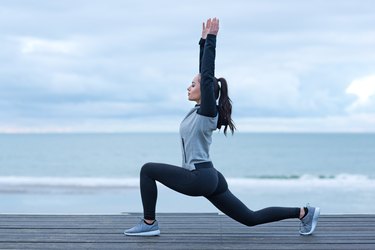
x=146, y=168
x=251, y=223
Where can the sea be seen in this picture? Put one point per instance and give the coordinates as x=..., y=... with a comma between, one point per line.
x=98, y=173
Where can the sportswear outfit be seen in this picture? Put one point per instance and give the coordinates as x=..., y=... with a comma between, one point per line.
x=197, y=176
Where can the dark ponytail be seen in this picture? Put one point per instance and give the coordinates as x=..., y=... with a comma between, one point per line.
x=225, y=106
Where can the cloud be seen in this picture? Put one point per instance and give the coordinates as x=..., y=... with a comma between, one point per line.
x=77, y=62
x=364, y=89
x=33, y=45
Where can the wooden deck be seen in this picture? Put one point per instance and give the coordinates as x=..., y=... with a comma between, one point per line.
x=181, y=231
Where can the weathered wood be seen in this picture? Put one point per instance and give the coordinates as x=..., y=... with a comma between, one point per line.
x=181, y=231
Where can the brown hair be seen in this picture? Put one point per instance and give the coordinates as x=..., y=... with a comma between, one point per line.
x=225, y=105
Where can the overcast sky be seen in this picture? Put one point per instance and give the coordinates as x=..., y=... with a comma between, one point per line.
x=120, y=66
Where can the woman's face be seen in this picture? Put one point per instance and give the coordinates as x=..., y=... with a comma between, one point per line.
x=194, y=90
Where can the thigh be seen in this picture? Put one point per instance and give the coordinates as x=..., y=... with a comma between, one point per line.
x=193, y=183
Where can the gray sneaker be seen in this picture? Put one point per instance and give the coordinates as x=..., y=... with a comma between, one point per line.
x=143, y=229
x=308, y=223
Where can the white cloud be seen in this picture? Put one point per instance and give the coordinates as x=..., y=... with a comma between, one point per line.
x=269, y=88
x=364, y=89
x=30, y=45
x=68, y=59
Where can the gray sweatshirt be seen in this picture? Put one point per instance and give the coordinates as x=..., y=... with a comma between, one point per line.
x=197, y=127
x=196, y=137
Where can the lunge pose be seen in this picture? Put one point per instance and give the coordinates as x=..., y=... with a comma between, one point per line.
x=197, y=176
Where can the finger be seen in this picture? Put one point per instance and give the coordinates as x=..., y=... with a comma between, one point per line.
x=213, y=24
x=208, y=23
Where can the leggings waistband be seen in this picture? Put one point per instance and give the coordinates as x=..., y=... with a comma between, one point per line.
x=207, y=164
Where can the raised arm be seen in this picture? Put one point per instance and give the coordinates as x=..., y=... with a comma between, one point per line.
x=208, y=100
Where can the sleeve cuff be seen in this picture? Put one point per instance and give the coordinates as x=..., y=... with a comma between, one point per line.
x=202, y=41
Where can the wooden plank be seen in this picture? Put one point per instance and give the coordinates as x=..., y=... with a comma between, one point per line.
x=121, y=246
x=181, y=231
x=118, y=246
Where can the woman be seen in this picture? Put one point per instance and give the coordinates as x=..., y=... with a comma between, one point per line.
x=197, y=176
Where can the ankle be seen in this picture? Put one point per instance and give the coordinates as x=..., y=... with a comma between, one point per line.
x=303, y=212
x=149, y=222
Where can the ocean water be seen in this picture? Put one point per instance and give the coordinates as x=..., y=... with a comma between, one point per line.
x=98, y=173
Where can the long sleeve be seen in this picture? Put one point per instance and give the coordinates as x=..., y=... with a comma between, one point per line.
x=207, y=67
x=201, y=48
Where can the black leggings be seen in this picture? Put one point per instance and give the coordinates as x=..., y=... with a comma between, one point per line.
x=208, y=182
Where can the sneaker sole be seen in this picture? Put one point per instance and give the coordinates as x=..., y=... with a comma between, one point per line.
x=149, y=233
x=314, y=222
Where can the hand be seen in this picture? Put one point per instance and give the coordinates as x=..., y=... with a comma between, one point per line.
x=210, y=27
x=205, y=28
x=213, y=27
